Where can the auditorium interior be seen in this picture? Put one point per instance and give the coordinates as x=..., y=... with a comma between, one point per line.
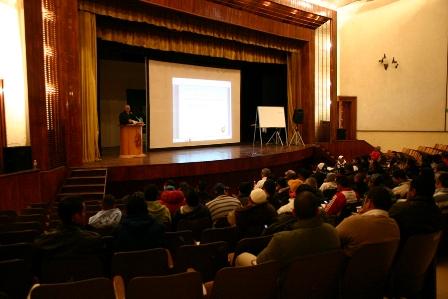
x=313, y=86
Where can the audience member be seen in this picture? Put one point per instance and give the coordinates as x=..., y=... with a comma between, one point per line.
x=401, y=182
x=289, y=207
x=372, y=225
x=441, y=193
x=329, y=183
x=192, y=216
x=159, y=212
x=108, y=217
x=265, y=174
x=201, y=189
x=255, y=217
x=222, y=205
x=344, y=196
x=69, y=238
x=418, y=214
x=244, y=190
x=310, y=236
x=269, y=189
x=170, y=197
x=282, y=192
x=138, y=230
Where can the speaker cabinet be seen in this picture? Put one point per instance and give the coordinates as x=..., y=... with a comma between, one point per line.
x=297, y=117
x=17, y=158
x=341, y=134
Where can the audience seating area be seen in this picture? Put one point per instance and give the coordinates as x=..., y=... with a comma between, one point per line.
x=189, y=268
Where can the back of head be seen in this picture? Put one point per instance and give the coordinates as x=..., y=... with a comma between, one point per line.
x=343, y=181
x=380, y=197
x=269, y=187
x=331, y=177
x=108, y=201
x=290, y=174
x=306, y=202
x=191, y=197
x=312, y=182
x=258, y=196
x=219, y=189
x=245, y=188
x=265, y=172
x=399, y=174
x=442, y=179
x=423, y=186
x=136, y=205
x=151, y=192
x=68, y=207
x=169, y=185
x=282, y=182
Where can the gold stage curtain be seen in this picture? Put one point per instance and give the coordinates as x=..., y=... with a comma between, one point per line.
x=89, y=115
x=146, y=14
x=152, y=37
x=293, y=73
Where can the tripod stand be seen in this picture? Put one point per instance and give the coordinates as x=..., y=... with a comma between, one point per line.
x=296, y=138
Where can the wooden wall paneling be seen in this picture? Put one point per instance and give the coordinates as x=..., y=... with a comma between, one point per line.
x=19, y=189
x=51, y=181
x=68, y=55
x=333, y=75
x=229, y=15
x=36, y=82
x=349, y=114
x=2, y=125
x=348, y=148
x=307, y=91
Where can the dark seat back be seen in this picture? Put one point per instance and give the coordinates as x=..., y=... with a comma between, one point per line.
x=367, y=270
x=313, y=276
x=412, y=263
x=252, y=245
x=75, y=268
x=227, y=234
x=253, y=282
x=15, y=278
x=186, y=285
x=205, y=258
x=22, y=236
x=96, y=288
x=140, y=263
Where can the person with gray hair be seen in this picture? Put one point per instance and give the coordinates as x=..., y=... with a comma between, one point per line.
x=265, y=173
x=330, y=182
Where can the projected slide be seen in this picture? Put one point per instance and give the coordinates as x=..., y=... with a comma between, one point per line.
x=192, y=105
x=201, y=110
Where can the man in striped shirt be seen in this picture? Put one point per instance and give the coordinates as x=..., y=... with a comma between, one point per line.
x=222, y=204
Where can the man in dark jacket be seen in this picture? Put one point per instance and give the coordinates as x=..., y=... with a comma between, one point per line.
x=418, y=214
x=255, y=217
x=138, y=230
x=69, y=238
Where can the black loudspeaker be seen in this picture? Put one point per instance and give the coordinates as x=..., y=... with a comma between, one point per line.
x=17, y=158
x=297, y=118
x=341, y=134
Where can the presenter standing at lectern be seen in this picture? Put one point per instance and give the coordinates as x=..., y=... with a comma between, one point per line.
x=126, y=117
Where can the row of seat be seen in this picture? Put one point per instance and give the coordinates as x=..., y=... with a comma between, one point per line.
x=324, y=275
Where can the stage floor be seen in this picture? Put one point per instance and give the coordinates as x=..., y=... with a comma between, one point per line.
x=191, y=155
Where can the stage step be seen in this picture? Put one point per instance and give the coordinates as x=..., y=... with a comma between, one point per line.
x=84, y=195
x=88, y=172
x=85, y=180
x=89, y=184
x=82, y=188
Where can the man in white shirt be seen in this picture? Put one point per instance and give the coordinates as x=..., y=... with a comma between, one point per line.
x=109, y=216
x=265, y=173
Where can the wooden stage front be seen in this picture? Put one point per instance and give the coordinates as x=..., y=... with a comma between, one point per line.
x=224, y=162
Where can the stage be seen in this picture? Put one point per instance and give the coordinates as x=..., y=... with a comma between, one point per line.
x=231, y=163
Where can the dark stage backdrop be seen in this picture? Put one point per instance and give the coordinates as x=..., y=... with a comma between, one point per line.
x=261, y=84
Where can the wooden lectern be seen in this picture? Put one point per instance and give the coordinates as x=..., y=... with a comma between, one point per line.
x=131, y=143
